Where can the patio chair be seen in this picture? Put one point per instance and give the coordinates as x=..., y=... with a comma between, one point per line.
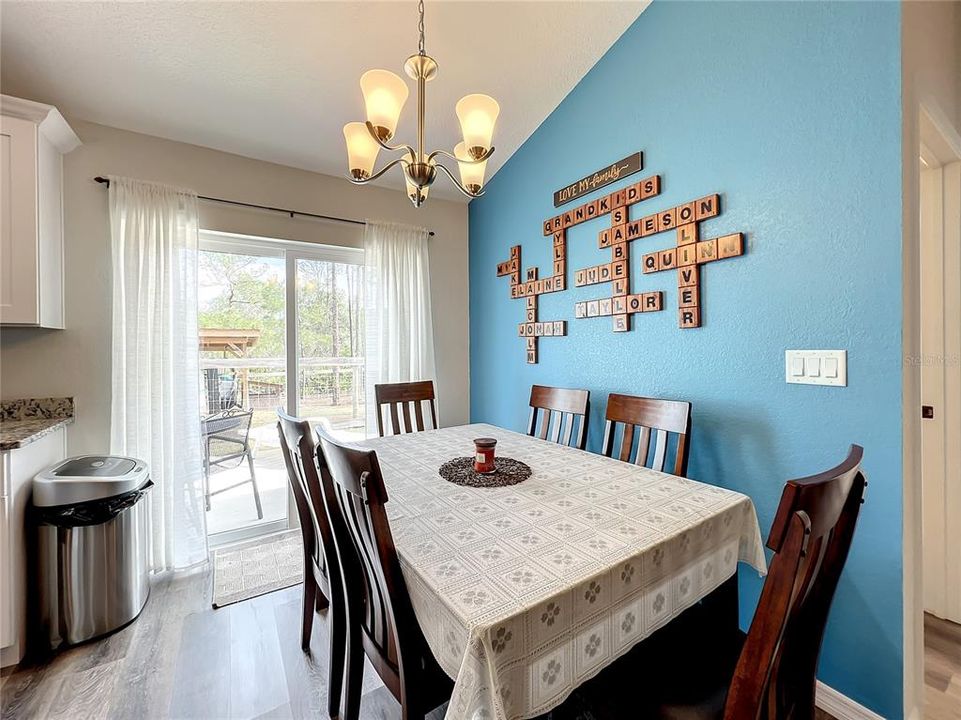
x=231, y=427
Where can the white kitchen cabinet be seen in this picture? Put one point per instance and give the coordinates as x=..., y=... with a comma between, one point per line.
x=17, y=468
x=33, y=139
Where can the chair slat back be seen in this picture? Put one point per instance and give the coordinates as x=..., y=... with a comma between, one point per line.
x=811, y=536
x=645, y=418
x=375, y=589
x=399, y=397
x=299, y=447
x=560, y=410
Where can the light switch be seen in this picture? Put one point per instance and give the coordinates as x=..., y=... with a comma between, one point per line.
x=797, y=366
x=816, y=367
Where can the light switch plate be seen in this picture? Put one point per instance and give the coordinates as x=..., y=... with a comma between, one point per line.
x=821, y=367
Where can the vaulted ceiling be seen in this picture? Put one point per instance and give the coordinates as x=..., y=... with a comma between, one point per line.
x=277, y=81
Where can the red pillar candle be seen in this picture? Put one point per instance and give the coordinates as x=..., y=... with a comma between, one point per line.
x=484, y=455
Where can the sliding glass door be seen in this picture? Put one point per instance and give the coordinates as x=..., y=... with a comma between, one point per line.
x=281, y=325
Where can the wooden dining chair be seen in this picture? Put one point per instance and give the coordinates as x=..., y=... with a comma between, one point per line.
x=400, y=396
x=323, y=586
x=769, y=673
x=566, y=408
x=381, y=621
x=646, y=417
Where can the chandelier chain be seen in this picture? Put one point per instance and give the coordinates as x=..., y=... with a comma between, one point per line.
x=420, y=27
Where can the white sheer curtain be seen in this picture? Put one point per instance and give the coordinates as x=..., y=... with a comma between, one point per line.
x=156, y=393
x=400, y=338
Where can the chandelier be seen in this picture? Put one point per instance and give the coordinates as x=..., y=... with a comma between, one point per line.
x=384, y=96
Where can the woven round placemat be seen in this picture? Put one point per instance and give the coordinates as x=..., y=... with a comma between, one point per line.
x=507, y=471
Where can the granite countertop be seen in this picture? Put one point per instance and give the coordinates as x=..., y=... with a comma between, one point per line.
x=24, y=421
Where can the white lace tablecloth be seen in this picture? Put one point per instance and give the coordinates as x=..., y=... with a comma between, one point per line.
x=525, y=592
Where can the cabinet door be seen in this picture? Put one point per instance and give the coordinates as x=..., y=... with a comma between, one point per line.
x=19, y=243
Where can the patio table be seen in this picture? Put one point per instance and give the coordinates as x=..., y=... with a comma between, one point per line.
x=525, y=592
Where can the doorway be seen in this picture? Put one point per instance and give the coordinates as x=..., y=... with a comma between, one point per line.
x=280, y=325
x=938, y=367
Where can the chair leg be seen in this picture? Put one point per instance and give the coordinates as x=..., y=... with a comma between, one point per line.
x=253, y=481
x=353, y=674
x=336, y=623
x=307, y=610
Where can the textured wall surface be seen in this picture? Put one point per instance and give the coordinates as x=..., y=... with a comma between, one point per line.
x=792, y=113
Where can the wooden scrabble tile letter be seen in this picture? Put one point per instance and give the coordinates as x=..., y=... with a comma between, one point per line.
x=730, y=245
x=559, y=238
x=685, y=213
x=622, y=323
x=603, y=273
x=532, y=343
x=604, y=306
x=619, y=270
x=531, y=273
x=579, y=214
x=580, y=309
x=515, y=252
x=548, y=329
x=558, y=223
x=665, y=220
x=501, y=269
x=559, y=283
x=618, y=216
x=532, y=302
x=548, y=226
x=559, y=268
x=560, y=328
x=687, y=276
x=619, y=304
x=522, y=329
x=580, y=278
x=632, y=193
x=593, y=308
x=686, y=255
x=651, y=186
x=707, y=207
x=590, y=210
x=547, y=284
x=603, y=205
x=591, y=275
x=634, y=304
x=648, y=225
x=530, y=329
x=529, y=288
x=604, y=238
x=568, y=219
x=633, y=229
x=687, y=296
x=618, y=235
x=531, y=315
x=620, y=287
x=538, y=329
x=560, y=252
x=707, y=250
x=515, y=291
x=515, y=264
x=686, y=234
x=618, y=198
x=619, y=252
x=666, y=259
x=689, y=317
x=650, y=262
x=652, y=301
x=532, y=357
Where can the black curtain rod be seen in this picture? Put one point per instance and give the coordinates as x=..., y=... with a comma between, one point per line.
x=292, y=213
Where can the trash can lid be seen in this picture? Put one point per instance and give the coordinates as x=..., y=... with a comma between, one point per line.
x=88, y=477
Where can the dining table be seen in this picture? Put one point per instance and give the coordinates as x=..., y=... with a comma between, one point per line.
x=525, y=592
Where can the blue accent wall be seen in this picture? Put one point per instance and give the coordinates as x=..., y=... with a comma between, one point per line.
x=793, y=113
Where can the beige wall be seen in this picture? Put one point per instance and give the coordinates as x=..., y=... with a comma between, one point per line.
x=930, y=75
x=76, y=361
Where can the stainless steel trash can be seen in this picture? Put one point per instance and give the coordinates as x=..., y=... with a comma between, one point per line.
x=90, y=515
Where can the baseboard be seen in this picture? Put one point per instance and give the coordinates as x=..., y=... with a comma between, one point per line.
x=841, y=706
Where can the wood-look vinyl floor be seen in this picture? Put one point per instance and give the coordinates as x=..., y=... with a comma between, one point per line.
x=182, y=659
x=942, y=669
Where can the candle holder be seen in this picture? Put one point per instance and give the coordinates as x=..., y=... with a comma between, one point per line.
x=484, y=455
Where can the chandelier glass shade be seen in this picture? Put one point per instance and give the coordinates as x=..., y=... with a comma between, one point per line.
x=384, y=97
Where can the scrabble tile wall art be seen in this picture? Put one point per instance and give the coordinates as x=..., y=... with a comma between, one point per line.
x=685, y=258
